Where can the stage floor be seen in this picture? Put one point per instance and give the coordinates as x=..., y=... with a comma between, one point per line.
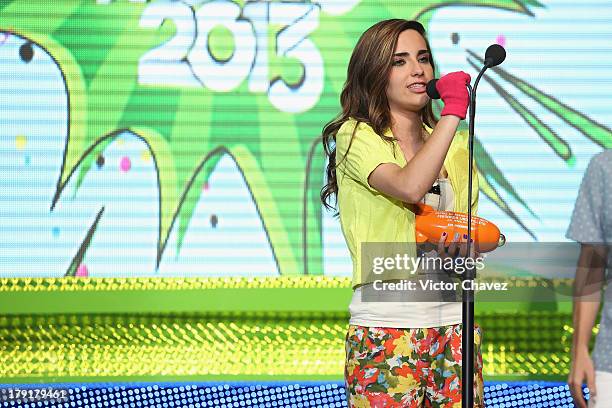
x=261, y=394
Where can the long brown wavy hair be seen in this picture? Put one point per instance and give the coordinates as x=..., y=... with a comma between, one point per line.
x=364, y=96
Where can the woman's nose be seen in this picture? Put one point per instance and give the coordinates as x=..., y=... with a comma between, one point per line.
x=417, y=69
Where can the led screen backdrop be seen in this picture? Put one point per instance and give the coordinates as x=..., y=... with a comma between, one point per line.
x=170, y=138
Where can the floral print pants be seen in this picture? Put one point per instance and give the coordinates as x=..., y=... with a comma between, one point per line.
x=413, y=368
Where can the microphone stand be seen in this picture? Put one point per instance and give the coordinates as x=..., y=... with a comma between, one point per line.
x=467, y=339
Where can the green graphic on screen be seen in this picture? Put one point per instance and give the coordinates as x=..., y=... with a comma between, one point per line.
x=182, y=138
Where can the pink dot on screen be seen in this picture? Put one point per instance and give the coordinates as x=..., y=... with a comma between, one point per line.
x=125, y=164
x=501, y=40
x=205, y=186
x=82, y=271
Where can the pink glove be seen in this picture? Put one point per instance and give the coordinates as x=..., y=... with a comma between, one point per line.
x=453, y=91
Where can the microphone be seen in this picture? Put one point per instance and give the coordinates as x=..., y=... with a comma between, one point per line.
x=494, y=55
x=431, y=90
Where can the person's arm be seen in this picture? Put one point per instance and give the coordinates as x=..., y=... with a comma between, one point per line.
x=587, y=293
x=411, y=182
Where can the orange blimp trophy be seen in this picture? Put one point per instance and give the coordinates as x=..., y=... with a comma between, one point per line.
x=430, y=224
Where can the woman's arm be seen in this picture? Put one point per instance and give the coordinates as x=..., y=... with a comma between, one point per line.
x=411, y=182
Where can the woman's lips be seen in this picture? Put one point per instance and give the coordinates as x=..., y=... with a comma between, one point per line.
x=417, y=88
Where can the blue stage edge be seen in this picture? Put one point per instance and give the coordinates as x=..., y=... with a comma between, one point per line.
x=538, y=394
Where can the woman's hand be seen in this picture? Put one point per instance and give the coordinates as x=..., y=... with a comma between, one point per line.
x=453, y=92
x=457, y=247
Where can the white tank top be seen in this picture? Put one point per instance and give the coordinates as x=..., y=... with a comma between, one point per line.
x=408, y=314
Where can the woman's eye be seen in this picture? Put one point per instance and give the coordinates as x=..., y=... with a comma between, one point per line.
x=398, y=62
x=424, y=60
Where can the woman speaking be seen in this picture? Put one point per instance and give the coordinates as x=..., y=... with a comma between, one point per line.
x=387, y=152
